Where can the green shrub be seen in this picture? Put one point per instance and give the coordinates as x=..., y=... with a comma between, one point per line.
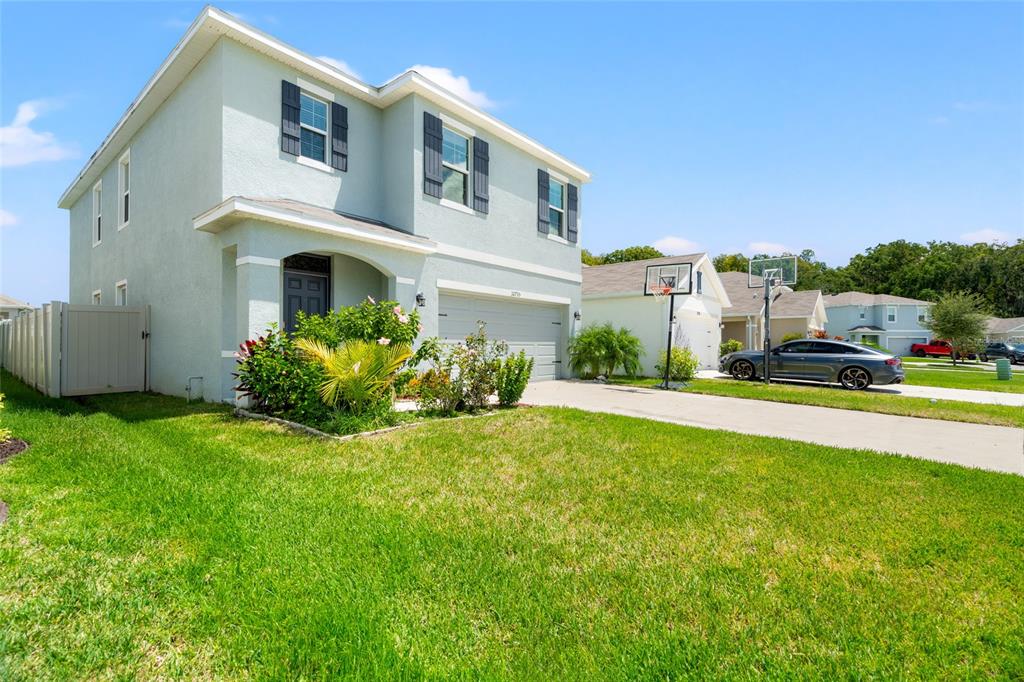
x=379, y=416
x=435, y=392
x=683, y=367
x=5, y=433
x=600, y=348
x=462, y=375
x=729, y=346
x=357, y=375
x=279, y=381
x=368, y=321
x=793, y=336
x=511, y=379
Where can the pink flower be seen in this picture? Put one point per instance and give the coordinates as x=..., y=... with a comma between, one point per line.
x=370, y=299
x=421, y=326
x=383, y=341
x=397, y=309
x=404, y=319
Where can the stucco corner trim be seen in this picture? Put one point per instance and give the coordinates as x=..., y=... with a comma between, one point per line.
x=405, y=280
x=258, y=260
x=497, y=292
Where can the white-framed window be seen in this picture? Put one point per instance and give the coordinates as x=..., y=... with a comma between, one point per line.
x=890, y=313
x=922, y=314
x=863, y=313
x=97, y=213
x=313, y=128
x=124, y=172
x=700, y=282
x=556, y=207
x=455, y=166
x=97, y=297
x=121, y=292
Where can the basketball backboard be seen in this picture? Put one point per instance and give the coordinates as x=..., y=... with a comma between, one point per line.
x=671, y=278
x=781, y=269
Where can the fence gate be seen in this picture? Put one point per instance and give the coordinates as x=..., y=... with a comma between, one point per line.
x=64, y=349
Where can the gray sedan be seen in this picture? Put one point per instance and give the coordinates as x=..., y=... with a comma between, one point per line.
x=854, y=367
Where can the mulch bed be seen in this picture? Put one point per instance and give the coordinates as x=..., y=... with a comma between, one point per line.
x=9, y=448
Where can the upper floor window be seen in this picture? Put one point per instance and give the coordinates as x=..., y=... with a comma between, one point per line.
x=863, y=313
x=123, y=181
x=455, y=170
x=922, y=313
x=890, y=313
x=97, y=213
x=97, y=297
x=556, y=208
x=313, y=127
x=121, y=293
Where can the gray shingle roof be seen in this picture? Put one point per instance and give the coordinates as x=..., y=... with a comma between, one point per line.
x=749, y=301
x=620, y=278
x=1000, y=325
x=9, y=302
x=860, y=298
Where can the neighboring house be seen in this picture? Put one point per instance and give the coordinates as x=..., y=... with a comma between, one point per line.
x=793, y=312
x=249, y=181
x=10, y=307
x=892, y=322
x=615, y=293
x=1010, y=329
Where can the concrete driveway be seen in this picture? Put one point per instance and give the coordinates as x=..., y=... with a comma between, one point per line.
x=996, y=448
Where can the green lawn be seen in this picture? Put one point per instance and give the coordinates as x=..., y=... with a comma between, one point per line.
x=148, y=538
x=980, y=381
x=832, y=396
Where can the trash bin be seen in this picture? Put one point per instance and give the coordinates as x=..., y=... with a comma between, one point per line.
x=1003, y=369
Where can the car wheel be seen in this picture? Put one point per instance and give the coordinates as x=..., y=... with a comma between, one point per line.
x=855, y=379
x=920, y=353
x=983, y=357
x=742, y=370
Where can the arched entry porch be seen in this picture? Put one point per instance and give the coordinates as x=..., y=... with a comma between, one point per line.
x=315, y=282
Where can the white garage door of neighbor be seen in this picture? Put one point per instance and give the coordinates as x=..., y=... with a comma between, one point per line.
x=532, y=327
x=701, y=334
x=900, y=345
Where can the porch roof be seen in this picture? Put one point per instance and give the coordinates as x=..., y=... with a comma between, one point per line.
x=866, y=328
x=309, y=217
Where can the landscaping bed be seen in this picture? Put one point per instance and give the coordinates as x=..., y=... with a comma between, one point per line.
x=150, y=539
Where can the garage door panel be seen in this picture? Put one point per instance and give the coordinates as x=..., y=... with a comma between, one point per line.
x=533, y=328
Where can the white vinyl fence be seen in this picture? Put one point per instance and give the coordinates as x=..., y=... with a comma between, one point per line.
x=61, y=349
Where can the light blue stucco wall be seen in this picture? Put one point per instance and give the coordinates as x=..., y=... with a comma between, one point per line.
x=896, y=336
x=218, y=136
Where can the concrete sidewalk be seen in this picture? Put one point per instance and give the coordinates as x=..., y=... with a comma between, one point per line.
x=962, y=394
x=996, y=448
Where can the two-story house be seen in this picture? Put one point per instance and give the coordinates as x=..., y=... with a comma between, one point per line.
x=249, y=181
x=892, y=322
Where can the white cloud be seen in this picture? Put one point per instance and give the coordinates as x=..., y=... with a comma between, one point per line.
x=770, y=248
x=676, y=246
x=986, y=236
x=20, y=145
x=7, y=218
x=457, y=85
x=341, y=66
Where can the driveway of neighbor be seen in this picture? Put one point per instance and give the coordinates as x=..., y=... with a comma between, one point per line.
x=937, y=392
x=997, y=448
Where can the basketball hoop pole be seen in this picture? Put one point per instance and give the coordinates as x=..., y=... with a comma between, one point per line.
x=767, y=330
x=668, y=349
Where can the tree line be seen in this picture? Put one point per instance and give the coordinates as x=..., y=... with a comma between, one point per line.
x=993, y=272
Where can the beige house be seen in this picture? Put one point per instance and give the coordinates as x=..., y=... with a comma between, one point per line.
x=793, y=312
x=10, y=307
x=1010, y=329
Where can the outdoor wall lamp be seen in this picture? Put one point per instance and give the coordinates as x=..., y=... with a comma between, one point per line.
x=421, y=300
x=576, y=316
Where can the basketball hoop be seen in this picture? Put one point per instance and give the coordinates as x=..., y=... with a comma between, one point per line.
x=660, y=291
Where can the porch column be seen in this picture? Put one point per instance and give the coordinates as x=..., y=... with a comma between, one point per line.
x=258, y=304
x=404, y=290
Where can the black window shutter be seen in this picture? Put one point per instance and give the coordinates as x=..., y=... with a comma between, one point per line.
x=572, y=209
x=481, y=187
x=339, y=136
x=543, y=188
x=432, y=134
x=290, y=118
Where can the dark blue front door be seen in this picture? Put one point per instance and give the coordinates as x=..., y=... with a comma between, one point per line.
x=305, y=292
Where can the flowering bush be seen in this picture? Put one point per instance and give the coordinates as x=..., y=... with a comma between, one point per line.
x=819, y=334
x=5, y=434
x=280, y=382
x=384, y=323
x=683, y=367
x=463, y=375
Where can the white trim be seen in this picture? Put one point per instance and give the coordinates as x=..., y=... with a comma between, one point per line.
x=97, y=213
x=461, y=253
x=97, y=297
x=258, y=260
x=448, y=203
x=125, y=158
x=405, y=280
x=497, y=292
x=212, y=24
x=315, y=89
x=558, y=177
x=908, y=331
x=556, y=238
x=324, y=132
x=249, y=209
x=118, y=285
x=314, y=164
x=457, y=126
x=227, y=353
x=892, y=313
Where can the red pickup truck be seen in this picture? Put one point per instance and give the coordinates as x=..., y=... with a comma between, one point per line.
x=934, y=348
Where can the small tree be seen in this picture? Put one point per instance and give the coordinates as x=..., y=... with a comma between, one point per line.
x=959, y=319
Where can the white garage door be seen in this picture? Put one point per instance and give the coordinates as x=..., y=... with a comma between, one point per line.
x=702, y=334
x=532, y=327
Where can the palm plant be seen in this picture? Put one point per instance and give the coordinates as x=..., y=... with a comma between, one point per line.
x=358, y=373
x=587, y=351
x=625, y=350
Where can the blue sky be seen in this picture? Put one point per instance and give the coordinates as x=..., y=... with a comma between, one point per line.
x=723, y=127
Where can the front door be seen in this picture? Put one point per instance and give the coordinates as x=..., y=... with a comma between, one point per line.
x=306, y=292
